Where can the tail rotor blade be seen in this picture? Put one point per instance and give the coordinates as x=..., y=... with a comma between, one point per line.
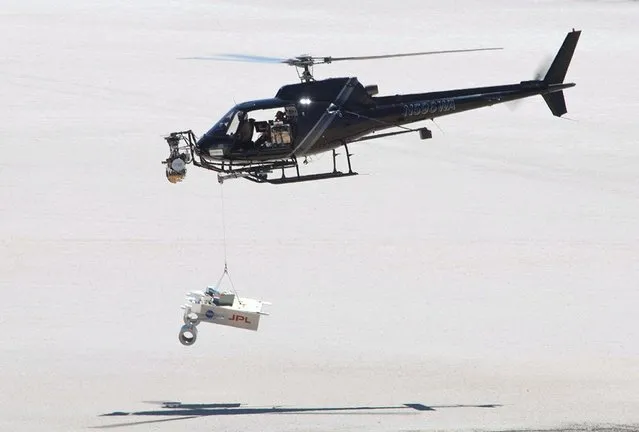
x=540, y=72
x=543, y=68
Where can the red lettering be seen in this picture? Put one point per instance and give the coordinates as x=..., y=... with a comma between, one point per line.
x=239, y=318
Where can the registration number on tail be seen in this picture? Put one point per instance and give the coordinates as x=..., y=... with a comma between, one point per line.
x=429, y=107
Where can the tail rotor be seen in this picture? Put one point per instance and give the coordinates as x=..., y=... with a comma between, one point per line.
x=540, y=72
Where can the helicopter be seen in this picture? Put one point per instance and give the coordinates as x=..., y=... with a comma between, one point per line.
x=316, y=116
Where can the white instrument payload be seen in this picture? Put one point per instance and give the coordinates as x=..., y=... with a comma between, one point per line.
x=217, y=307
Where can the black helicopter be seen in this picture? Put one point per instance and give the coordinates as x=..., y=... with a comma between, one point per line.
x=316, y=116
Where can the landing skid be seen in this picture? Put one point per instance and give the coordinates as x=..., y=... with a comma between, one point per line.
x=309, y=177
x=259, y=173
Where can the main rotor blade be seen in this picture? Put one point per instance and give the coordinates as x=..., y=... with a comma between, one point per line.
x=332, y=59
x=239, y=58
x=305, y=60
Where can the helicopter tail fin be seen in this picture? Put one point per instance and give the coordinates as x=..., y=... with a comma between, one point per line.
x=559, y=66
x=556, y=74
x=556, y=102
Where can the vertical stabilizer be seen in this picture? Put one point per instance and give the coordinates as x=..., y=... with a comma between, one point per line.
x=557, y=73
x=556, y=103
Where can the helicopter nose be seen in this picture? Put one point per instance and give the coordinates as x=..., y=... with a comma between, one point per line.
x=213, y=146
x=204, y=141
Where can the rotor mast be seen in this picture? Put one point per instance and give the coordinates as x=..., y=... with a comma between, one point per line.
x=304, y=62
x=306, y=75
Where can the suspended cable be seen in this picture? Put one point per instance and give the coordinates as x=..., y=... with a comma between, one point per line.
x=233, y=286
x=223, y=223
x=226, y=268
x=440, y=129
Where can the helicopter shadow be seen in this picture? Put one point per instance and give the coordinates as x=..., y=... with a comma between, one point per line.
x=180, y=411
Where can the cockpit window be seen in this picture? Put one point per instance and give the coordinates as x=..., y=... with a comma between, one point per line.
x=222, y=126
x=235, y=122
x=271, y=122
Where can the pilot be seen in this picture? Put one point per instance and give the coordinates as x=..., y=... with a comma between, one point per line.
x=265, y=138
x=244, y=132
x=280, y=116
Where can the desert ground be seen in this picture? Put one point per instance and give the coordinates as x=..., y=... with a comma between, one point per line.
x=488, y=275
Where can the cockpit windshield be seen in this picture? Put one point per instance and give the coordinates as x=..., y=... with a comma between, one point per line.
x=235, y=122
x=222, y=126
x=227, y=125
x=273, y=120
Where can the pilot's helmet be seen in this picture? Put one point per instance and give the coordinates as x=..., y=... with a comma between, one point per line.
x=279, y=115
